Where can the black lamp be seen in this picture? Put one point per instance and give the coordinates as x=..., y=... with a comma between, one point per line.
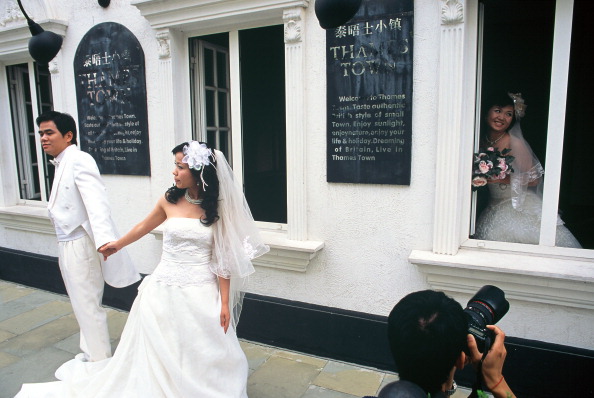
x=334, y=13
x=104, y=3
x=43, y=46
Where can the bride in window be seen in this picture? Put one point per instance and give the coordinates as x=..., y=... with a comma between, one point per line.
x=513, y=213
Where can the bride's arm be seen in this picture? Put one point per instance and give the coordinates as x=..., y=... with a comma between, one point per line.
x=152, y=221
x=225, y=314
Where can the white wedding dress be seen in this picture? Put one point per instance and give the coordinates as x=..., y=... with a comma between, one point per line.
x=172, y=344
x=501, y=222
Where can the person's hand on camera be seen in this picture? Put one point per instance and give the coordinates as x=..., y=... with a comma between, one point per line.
x=492, y=367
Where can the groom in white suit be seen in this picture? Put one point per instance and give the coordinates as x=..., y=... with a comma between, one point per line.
x=80, y=212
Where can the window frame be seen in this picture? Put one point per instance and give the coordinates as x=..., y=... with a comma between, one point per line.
x=234, y=110
x=555, y=129
x=20, y=126
x=199, y=121
x=539, y=273
x=291, y=248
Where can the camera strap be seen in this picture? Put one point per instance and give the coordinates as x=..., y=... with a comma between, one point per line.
x=479, y=381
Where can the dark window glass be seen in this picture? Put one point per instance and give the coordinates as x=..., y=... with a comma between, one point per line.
x=262, y=59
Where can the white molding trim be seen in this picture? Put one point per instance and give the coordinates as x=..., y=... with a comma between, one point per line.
x=206, y=14
x=284, y=254
x=287, y=254
x=295, y=123
x=14, y=42
x=27, y=218
x=448, y=195
x=452, y=12
x=540, y=279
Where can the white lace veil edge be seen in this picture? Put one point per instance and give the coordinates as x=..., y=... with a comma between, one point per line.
x=527, y=169
x=236, y=238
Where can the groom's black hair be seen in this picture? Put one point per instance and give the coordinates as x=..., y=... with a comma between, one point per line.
x=63, y=121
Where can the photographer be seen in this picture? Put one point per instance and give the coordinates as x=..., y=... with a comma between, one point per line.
x=429, y=340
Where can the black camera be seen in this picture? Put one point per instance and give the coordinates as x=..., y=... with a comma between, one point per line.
x=486, y=307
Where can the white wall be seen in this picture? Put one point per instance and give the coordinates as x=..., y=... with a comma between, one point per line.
x=368, y=230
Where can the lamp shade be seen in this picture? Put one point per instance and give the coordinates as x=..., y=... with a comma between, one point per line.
x=44, y=45
x=334, y=13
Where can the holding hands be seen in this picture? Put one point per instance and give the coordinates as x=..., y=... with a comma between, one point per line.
x=108, y=249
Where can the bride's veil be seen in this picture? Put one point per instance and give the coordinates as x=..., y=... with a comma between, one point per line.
x=237, y=239
x=527, y=168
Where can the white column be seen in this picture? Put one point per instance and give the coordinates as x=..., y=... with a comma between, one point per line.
x=455, y=96
x=295, y=119
x=164, y=119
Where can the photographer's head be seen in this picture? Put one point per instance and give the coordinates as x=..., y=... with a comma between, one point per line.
x=427, y=333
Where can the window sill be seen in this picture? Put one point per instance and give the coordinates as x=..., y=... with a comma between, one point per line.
x=286, y=254
x=28, y=218
x=567, y=281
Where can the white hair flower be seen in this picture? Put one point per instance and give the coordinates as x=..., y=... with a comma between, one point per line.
x=197, y=155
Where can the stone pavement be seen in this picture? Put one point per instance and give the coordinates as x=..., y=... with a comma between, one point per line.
x=38, y=332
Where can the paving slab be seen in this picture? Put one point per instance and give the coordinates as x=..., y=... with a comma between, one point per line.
x=5, y=335
x=9, y=292
x=256, y=354
x=298, y=357
x=281, y=378
x=388, y=378
x=36, y=317
x=70, y=344
x=39, y=339
x=27, y=302
x=348, y=378
x=37, y=368
x=7, y=359
x=44, y=336
x=320, y=392
x=116, y=320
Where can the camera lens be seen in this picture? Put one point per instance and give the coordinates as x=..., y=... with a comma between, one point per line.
x=486, y=307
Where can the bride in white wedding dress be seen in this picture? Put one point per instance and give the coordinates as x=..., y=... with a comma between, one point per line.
x=515, y=202
x=179, y=340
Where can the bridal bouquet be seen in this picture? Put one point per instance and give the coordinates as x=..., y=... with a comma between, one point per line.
x=490, y=165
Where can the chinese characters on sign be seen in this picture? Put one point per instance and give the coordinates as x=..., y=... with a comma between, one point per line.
x=111, y=93
x=369, y=95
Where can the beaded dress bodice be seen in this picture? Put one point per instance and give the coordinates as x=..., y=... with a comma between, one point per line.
x=187, y=248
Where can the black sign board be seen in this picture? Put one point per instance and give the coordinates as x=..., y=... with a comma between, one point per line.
x=369, y=66
x=111, y=92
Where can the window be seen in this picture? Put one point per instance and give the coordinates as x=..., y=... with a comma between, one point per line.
x=261, y=129
x=30, y=95
x=541, y=273
x=522, y=52
x=281, y=46
x=209, y=60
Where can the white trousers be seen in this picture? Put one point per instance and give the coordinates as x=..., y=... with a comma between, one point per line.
x=81, y=270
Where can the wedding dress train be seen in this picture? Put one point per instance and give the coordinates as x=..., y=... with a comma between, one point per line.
x=172, y=344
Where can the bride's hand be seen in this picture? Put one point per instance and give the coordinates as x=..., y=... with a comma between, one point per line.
x=108, y=249
x=225, y=317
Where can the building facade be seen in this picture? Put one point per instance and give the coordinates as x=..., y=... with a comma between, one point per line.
x=249, y=76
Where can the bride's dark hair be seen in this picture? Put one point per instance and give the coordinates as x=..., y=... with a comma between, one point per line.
x=501, y=99
x=209, y=196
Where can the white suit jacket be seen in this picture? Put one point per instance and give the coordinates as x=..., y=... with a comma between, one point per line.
x=79, y=198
